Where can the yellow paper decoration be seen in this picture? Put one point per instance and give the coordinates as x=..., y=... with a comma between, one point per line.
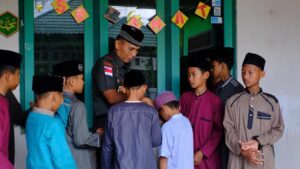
x=179, y=19
x=39, y=6
x=202, y=10
x=135, y=22
x=80, y=14
x=156, y=24
x=60, y=6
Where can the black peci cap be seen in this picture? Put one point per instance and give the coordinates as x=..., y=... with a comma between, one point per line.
x=10, y=58
x=131, y=34
x=223, y=54
x=200, y=60
x=254, y=59
x=68, y=68
x=44, y=84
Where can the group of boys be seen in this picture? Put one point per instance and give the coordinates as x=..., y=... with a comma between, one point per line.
x=57, y=133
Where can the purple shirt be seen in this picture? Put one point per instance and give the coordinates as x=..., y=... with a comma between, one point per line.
x=205, y=115
x=4, y=133
x=132, y=130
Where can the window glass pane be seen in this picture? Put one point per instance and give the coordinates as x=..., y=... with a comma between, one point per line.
x=56, y=37
x=146, y=58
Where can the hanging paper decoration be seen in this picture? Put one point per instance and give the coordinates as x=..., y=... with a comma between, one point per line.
x=60, y=6
x=216, y=3
x=39, y=5
x=216, y=20
x=80, y=14
x=135, y=21
x=156, y=24
x=217, y=11
x=202, y=10
x=179, y=19
x=112, y=15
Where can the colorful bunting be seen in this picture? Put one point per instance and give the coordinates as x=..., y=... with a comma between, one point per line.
x=179, y=19
x=156, y=24
x=202, y=10
x=80, y=14
x=60, y=6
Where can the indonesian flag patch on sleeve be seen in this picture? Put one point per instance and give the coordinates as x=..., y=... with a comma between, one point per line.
x=108, y=71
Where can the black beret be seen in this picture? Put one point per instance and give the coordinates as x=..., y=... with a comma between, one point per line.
x=199, y=60
x=10, y=58
x=131, y=34
x=68, y=68
x=254, y=59
x=134, y=78
x=223, y=54
x=44, y=84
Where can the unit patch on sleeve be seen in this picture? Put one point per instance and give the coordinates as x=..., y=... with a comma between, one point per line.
x=108, y=71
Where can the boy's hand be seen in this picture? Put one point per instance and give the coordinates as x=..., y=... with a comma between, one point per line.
x=255, y=157
x=198, y=156
x=32, y=104
x=100, y=131
x=252, y=144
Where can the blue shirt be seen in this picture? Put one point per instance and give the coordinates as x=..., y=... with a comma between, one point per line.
x=177, y=143
x=46, y=142
x=132, y=130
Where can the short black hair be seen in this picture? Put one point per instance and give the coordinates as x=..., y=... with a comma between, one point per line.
x=228, y=62
x=6, y=68
x=173, y=104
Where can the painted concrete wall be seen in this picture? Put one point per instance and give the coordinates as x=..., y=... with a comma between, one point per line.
x=12, y=43
x=271, y=28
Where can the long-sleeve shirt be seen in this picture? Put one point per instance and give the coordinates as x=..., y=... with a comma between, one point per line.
x=248, y=116
x=132, y=130
x=205, y=115
x=79, y=138
x=46, y=142
x=17, y=117
x=228, y=88
x=4, y=133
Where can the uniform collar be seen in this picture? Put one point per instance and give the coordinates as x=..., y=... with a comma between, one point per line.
x=69, y=95
x=259, y=92
x=43, y=111
x=117, y=60
x=226, y=82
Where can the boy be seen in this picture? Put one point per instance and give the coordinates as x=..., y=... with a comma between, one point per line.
x=253, y=120
x=9, y=79
x=204, y=110
x=176, y=151
x=222, y=61
x=79, y=138
x=132, y=129
x=45, y=134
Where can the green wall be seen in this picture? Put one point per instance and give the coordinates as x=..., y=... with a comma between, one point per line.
x=194, y=26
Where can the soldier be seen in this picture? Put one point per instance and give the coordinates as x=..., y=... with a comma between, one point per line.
x=108, y=72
